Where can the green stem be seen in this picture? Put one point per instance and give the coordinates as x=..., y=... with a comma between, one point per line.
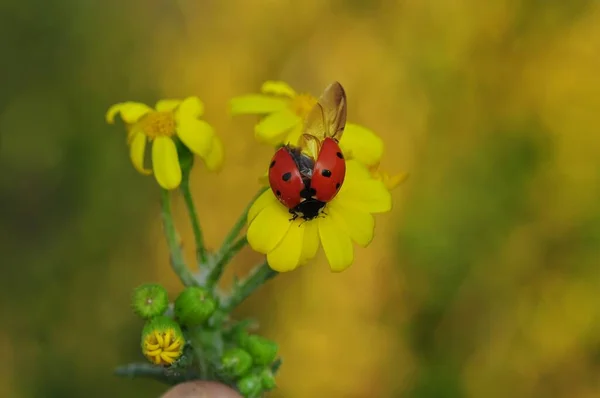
x=258, y=277
x=177, y=259
x=147, y=370
x=219, y=268
x=231, y=246
x=239, y=224
x=201, y=255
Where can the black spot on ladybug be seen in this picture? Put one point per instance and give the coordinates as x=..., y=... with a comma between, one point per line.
x=339, y=155
x=305, y=193
x=278, y=193
x=286, y=176
x=326, y=173
x=338, y=185
x=272, y=164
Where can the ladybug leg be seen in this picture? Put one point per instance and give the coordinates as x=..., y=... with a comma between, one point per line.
x=294, y=215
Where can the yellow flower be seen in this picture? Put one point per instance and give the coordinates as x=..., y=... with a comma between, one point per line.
x=162, y=341
x=348, y=217
x=170, y=119
x=284, y=112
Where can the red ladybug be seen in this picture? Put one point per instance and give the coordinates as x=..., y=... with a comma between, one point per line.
x=303, y=185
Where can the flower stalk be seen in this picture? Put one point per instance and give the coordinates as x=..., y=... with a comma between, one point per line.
x=177, y=260
x=257, y=277
x=201, y=253
x=232, y=244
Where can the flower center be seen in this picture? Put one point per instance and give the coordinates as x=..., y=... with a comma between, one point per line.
x=302, y=104
x=158, y=124
x=162, y=348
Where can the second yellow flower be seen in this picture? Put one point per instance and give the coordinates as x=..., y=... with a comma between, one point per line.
x=170, y=119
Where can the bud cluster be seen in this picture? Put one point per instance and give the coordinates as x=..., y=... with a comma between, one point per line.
x=195, y=321
x=251, y=361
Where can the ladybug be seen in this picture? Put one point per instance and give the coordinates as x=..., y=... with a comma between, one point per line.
x=307, y=176
x=303, y=185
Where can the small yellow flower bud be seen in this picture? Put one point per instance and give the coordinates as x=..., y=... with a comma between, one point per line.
x=194, y=306
x=149, y=300
x=162, y=340
x=236, y=361
x=263, y=350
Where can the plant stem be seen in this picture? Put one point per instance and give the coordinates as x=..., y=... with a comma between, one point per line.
x=239, y=224
x=231, y=246
x=201, y=256
x=219, y=268
x=147, y=370
x=177, y=259
x=258, y=277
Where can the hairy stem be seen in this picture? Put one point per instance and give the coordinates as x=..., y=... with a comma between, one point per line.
x=240, y=223
x=257, y=277
x=219, y=268
x=147, y=370
x=177, y=259
x=201, y=255
x=231, y=244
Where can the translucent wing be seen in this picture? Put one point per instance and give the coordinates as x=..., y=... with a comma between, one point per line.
x=326, y=119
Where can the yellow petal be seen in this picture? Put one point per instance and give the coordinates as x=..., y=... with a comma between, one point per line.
x=159, y=337
x=152, y=353
x=137, y=149
x=369, y=195
x=361, y=144
x=269, y=227
x=287, y=254
x=166, y=358
x=310, y=245
x=172, y=354
x=151, y=347
x=277, y=88
x=167, y=105
x=293, y=135
x=214, y=159
x=130, y=111
x=174, y=346
x=191, y=107
x=272, y=128
x=265, y=199
x=165, y=163
x=390, y=181
x=357, y=171
x=257, y=104
x=361, y=191
x=156, y=359
x=356, y=223
x=167, y=341
x=196, y=134
x=336, y=244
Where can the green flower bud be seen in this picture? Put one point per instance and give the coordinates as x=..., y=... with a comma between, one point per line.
x=194, y=306
x=162, y=340
x=149, y=300
x=262, y=349
x=236, y=361
x=268, y=379
x=250, y=386
x=240, y=336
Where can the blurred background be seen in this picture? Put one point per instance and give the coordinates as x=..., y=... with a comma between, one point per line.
x=484, y=281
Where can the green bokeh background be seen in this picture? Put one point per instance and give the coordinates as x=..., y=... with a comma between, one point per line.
x=485, y=279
